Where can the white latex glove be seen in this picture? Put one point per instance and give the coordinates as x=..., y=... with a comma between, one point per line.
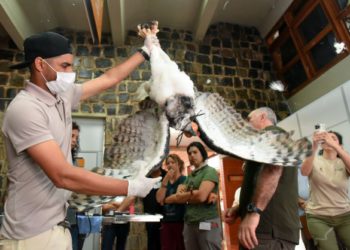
x=141, y=185
x=151, y=40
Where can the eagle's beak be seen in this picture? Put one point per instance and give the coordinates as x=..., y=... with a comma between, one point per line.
x=189, y=131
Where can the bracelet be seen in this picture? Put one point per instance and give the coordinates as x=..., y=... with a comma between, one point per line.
x=144, y=54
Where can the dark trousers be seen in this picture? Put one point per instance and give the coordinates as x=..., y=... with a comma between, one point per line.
x=110, y=232
x=171, y=236
x=266, y=242
x=77, y=238
x=153, y=235
x=198, y=239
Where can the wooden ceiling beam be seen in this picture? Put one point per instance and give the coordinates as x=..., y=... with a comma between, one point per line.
x=15, y=21
x=116, y=12
x=206, y=14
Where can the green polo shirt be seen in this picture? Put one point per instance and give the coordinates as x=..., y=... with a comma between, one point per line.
x=196, y=213
x=280, y=218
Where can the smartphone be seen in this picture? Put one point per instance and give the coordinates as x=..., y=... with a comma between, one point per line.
x=320, y=127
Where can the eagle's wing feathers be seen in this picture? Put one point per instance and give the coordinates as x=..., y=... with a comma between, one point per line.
x=140, y=144
x=223, y=129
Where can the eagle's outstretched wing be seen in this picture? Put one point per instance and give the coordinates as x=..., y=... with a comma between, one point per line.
x=140, y=144
x=224, y=130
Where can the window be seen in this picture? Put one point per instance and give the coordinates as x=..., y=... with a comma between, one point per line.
x=343, y=12
x=323, y=52
x=342, y=4
x=313, y=24
x=294, y=75
x=307, y=32
x=288, y=51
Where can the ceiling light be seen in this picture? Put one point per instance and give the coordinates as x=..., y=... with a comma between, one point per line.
x=225, y=4
x=276, y=35
x=339, y=47
x=280, y=87
x=277, y=85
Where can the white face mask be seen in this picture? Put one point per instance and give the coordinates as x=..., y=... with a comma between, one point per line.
x=64, y=81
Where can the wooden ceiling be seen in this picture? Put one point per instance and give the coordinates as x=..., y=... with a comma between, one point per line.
x=22, y=18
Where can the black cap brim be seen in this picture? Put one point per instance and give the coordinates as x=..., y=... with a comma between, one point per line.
x=44, y=45
x=20, y=65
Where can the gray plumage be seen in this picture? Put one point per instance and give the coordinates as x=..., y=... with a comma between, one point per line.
x=140, y=144
x=224, y=130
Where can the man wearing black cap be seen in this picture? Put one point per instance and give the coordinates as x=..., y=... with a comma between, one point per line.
x=37, y=132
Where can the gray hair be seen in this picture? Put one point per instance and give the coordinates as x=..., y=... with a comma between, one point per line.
x=270, y=114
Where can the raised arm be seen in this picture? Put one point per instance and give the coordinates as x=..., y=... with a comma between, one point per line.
x=340, y=150
x=306, y=167
x=345, y=157
x=161, y=192
x=118, y=73
x=112, y=77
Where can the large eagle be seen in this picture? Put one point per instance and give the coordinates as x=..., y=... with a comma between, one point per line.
x=141, y=141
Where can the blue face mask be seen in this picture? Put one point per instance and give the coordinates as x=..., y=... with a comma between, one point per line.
x=64, y=81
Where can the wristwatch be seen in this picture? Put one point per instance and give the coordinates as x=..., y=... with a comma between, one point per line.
x=251, y=208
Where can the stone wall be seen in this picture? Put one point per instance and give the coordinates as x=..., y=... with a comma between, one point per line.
x=231, y=60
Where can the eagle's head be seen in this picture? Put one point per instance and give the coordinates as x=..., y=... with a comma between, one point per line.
x=179, y=110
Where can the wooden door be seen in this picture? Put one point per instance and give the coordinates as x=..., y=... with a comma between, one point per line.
x=232, y=176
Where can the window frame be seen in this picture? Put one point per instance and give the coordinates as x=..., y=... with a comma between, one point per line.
x=335, y=24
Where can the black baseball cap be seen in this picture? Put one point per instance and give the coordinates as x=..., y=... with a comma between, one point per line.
x=45, y=45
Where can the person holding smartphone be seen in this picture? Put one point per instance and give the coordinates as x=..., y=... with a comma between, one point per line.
x=328, y=208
